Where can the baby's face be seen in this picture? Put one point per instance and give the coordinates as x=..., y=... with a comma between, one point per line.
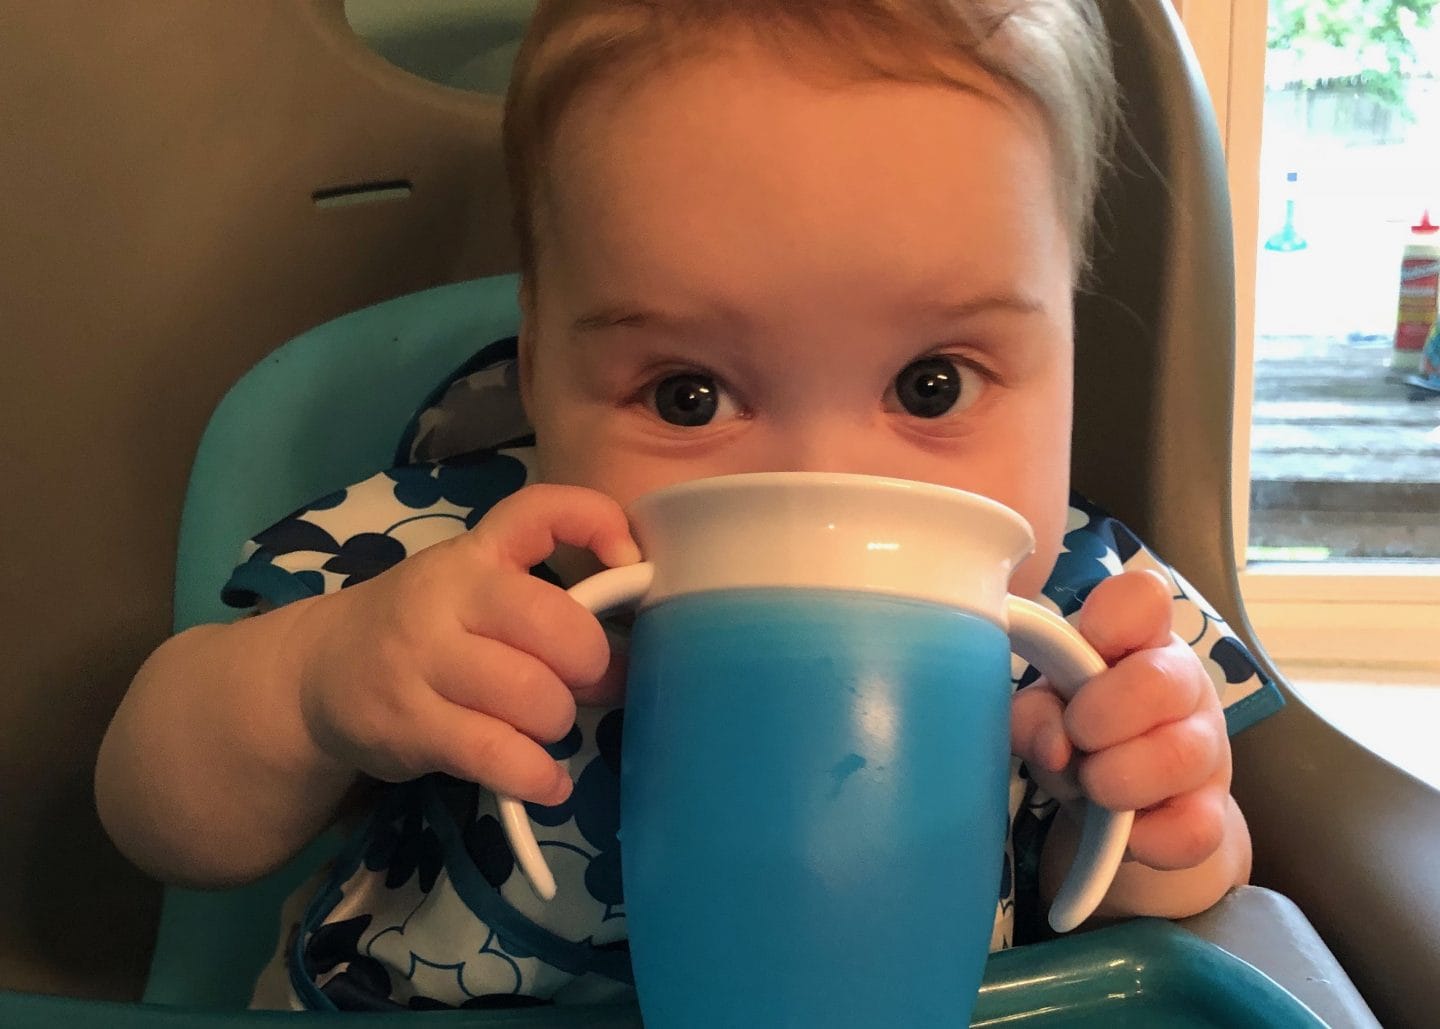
x=744, y=270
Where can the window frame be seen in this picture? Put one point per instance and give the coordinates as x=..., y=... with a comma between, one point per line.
x=1336, y=613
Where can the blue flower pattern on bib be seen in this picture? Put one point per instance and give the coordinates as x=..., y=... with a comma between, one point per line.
x=426, y=907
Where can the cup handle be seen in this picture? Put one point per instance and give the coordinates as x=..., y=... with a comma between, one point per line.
x=600, y=594
x=1054, y=646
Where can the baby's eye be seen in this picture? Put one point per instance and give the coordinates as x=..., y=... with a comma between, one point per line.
x=691, y=399
x=933, y=386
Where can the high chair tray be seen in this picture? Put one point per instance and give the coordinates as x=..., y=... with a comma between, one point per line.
x=1140, y=974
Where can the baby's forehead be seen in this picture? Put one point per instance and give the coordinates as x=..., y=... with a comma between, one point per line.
x=596, y=116
x=1050, y=58
x=807, y=150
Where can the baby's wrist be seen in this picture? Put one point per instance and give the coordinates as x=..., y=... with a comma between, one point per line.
x=302, y=665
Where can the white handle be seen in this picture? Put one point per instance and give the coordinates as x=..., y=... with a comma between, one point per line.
x=600, y=594
x=1053, y=646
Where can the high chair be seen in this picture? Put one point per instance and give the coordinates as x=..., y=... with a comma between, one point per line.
x=189, y=186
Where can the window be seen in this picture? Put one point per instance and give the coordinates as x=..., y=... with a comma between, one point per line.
x=1337, y=469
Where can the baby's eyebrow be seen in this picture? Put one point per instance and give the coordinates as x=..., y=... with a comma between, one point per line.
x=955, y=310
x=635, y=316
x=610, y=318
x=632, y=316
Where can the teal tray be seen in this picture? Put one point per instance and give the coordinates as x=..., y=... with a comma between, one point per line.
x=1143, y=973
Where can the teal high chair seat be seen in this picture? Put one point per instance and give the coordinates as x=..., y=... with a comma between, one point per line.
x=173, y=178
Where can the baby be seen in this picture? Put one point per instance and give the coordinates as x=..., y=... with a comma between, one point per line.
x=821, y=236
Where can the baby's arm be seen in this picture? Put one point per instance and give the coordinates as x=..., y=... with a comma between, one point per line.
x=1153, y=738
x=236, y=743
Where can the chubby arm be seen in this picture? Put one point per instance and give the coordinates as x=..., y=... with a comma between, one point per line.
x=236, y=743
x=208, y=775
x=1149, y=735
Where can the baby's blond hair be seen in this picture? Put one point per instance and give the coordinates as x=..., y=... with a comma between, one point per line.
x=1052, y=53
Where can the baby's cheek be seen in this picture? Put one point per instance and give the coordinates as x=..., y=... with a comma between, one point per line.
x=1030, y=577
x=1048, y=512
x=1034, y=572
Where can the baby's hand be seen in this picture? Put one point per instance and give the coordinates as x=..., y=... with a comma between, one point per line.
x=1150, y=729
x=458, y=660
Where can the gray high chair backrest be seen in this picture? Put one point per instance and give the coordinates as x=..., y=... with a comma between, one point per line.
x=162, y=163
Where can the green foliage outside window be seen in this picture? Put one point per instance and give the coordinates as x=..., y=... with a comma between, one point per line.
x=1362, y=43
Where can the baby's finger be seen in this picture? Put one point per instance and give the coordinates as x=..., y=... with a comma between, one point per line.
x=1143, y=691
x=609, y=689
x=1126, y=613
x=1182, y=832
x=1037, y=737
x=489, y=677
x=1165, y=762
x=1037, y=728
x=542, y=620
x=525, y=527
x=478, y=748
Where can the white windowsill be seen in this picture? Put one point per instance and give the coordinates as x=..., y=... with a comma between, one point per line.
x=1380, y=616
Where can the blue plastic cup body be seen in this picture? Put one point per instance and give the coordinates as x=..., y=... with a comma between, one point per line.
x=814, y=808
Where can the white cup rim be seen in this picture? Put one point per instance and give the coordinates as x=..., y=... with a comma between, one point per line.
x=831, y=530
x=771, y=480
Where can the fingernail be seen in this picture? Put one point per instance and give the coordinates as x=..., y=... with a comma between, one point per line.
x=626, y=553
x=564, y=786
x=1160, y=578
